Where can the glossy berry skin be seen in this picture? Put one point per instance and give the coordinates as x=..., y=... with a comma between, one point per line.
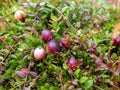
x=39, y=54
x=72, y=63
x=19, y=15
x=53, y=47
x=46, y=35
x=117, y=41
x=65, y=42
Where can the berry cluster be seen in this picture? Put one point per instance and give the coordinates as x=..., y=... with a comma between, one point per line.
x=52, y=46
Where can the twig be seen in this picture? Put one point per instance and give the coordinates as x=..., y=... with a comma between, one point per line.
x=27, y=73
x=66, y=19
x=104, y=72
x=60, y=77
x=108, y=54
x=34, y=80
x=9, y=53
x=3, y=17
x=97, y=87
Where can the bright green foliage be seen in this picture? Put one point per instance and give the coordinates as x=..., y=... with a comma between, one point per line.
x=87, y=25
x=83, y=79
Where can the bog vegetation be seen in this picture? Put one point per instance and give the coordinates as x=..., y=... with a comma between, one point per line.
x=59, y=45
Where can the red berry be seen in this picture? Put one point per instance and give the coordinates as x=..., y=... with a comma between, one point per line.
x=19, y=15
x=25, y=70
x=72, y=63
x=39, y=53
x=117, y=41
x=65, y=42
x=53, y=47
x=46, y=35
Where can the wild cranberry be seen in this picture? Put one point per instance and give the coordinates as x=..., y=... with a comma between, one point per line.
x=117, y=41
x=72, y=63
x=25, y=70
x=46, y=35
x=19, y=15
x=53, y=47
x=39, y=53
x=65, y=42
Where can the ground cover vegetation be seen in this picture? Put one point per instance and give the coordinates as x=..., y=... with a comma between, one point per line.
x=59, y=45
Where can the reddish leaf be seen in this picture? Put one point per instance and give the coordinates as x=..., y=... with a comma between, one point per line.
x=20, y=74
x=100, y=79
x=102, y=66
x=99, y=62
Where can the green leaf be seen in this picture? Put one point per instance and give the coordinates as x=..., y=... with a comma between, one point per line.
x=88, y=84
x=114, y=56
x=105, y=76
x=107, y=80
x=77, y=72
x=83, y=79
x=2, y=88
x=42, y=3
x=51, y=6
x=64, y=9
x=42, y=88
x=65, y=66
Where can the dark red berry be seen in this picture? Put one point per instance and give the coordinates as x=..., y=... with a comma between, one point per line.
x=65, y=42
x=53, y=47
x=46, y=35
x=72, y=63
x=117, y=41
